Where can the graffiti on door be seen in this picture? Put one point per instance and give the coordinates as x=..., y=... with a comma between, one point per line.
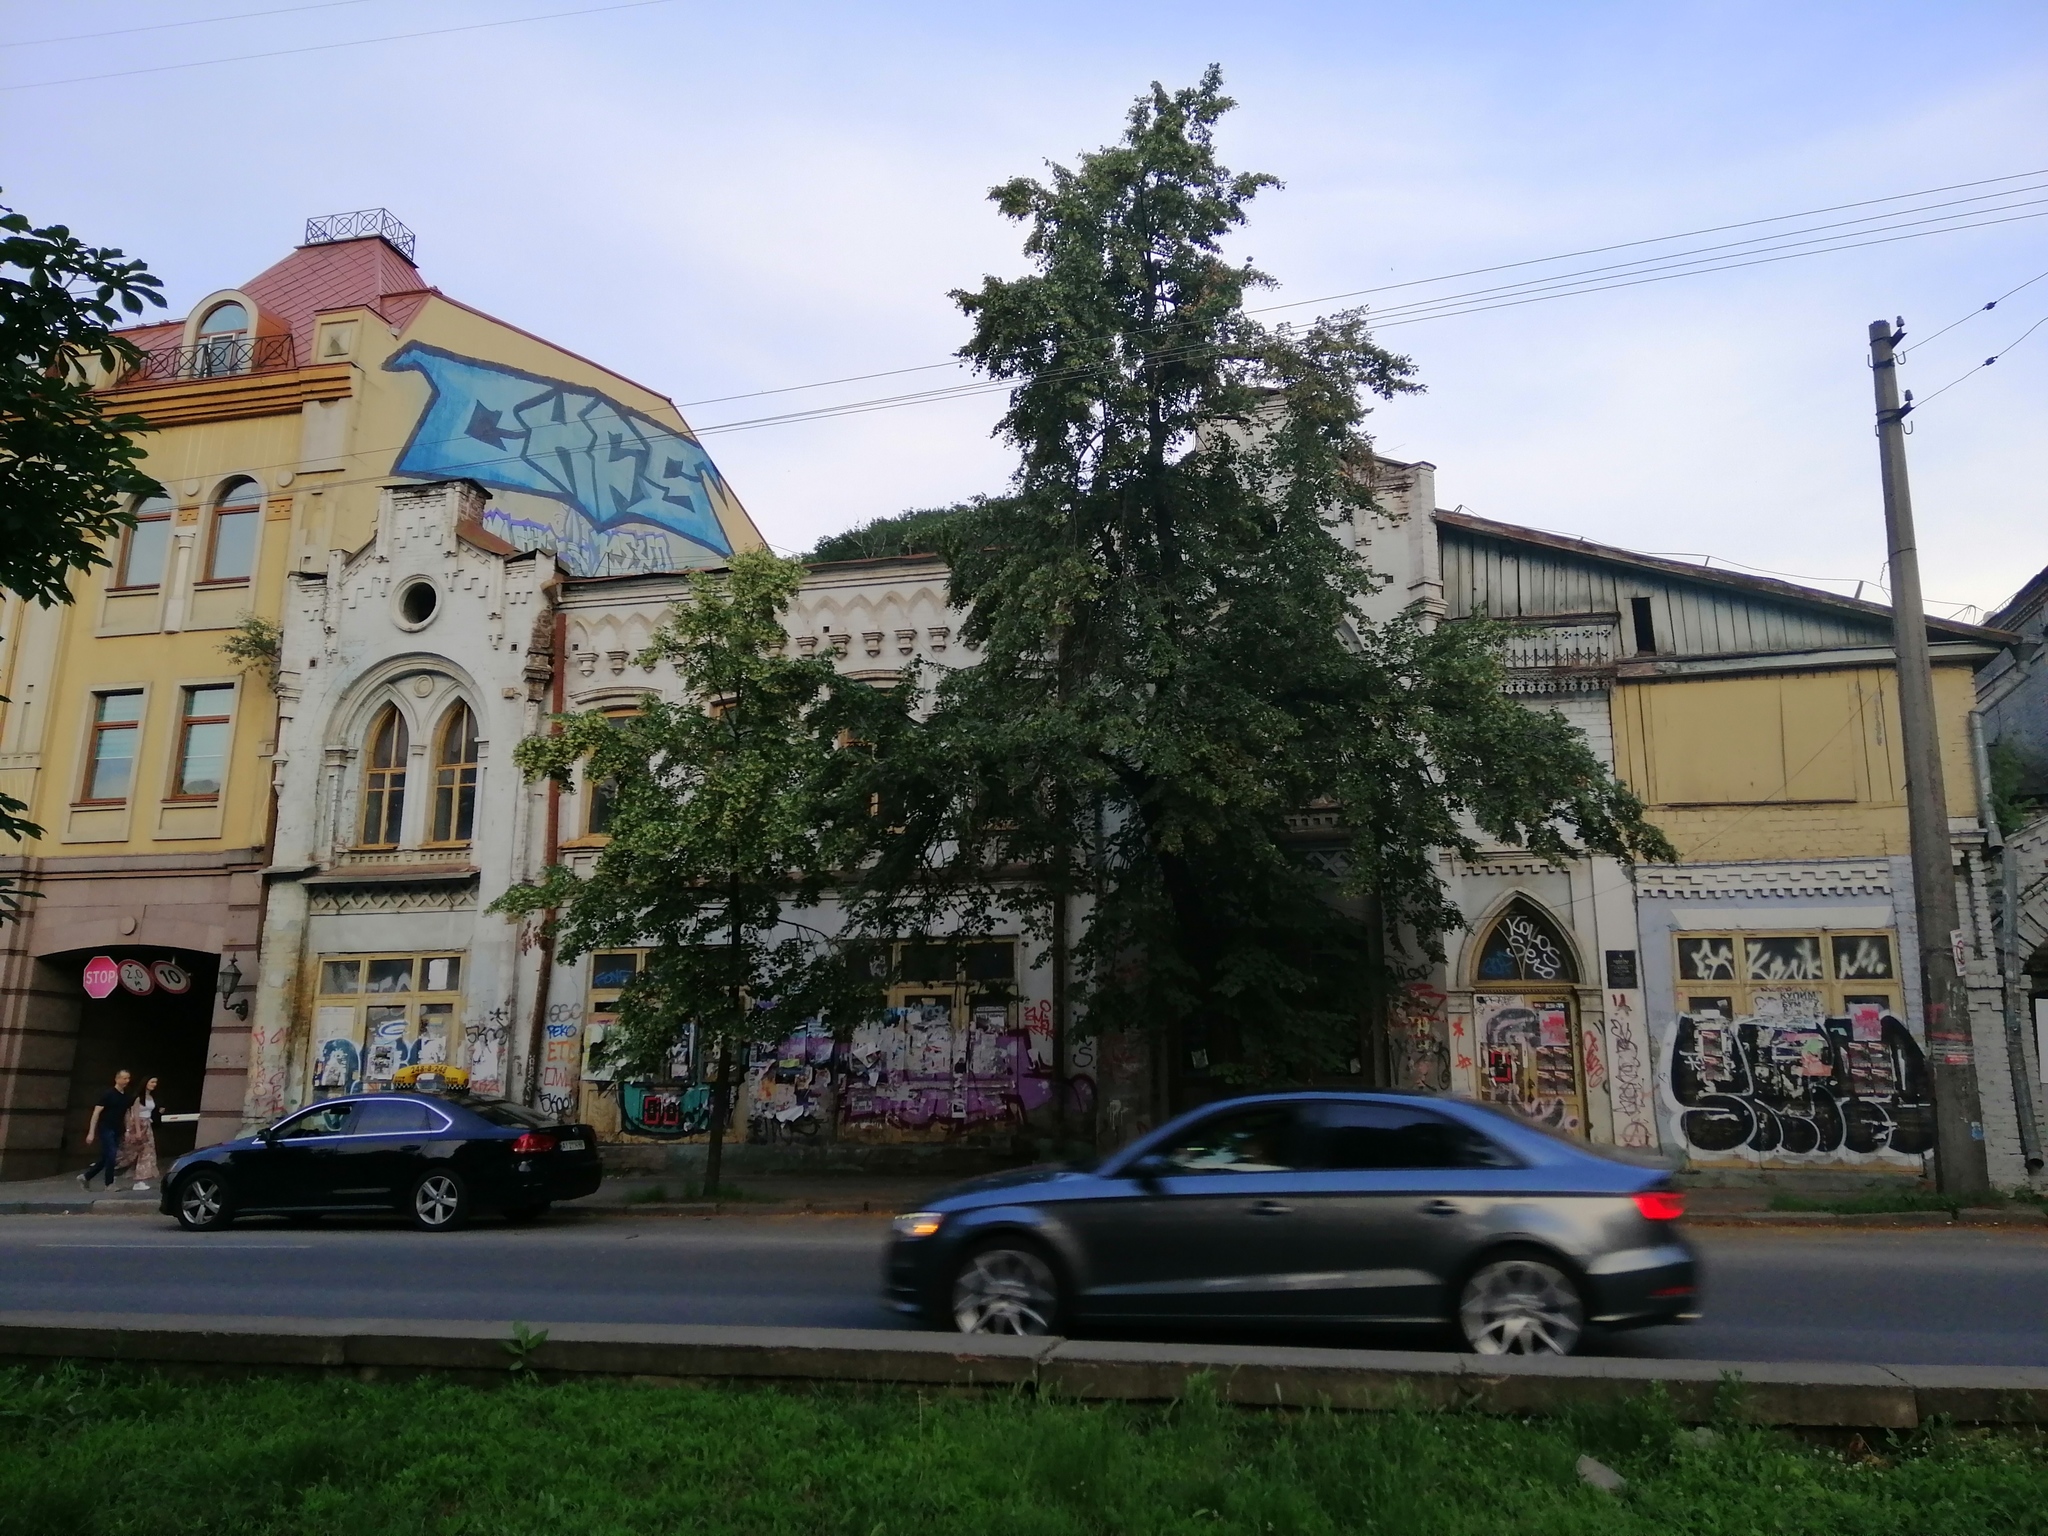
x=1527, y=1058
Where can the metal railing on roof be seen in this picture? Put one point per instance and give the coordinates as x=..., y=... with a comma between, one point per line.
x=359, y=225
x=221, y=358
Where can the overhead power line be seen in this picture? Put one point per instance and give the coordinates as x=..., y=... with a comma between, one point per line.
x=1782, y=245
x=1534, y=261
x=358, y=42
x=1994, y=357
x=1973, y=314
x=166, y=26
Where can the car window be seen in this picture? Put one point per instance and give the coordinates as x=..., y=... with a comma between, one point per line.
x=499, y=1112
x=1260, y=1140
x=1361, y=1136
x=393, y=1117
x=320, y=1120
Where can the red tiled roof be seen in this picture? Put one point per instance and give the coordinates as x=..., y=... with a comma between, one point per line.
x=317, y=277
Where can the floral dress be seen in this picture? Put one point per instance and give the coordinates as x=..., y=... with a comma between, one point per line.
x=138, y=1141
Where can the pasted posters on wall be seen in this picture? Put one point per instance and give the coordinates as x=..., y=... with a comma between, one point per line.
x=1790, y=1086
x=1790, y=1048
x=1527, y=1058
x=337, y=1060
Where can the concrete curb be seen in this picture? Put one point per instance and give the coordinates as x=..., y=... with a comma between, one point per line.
x=1965, y=1218
x=1895, y=1397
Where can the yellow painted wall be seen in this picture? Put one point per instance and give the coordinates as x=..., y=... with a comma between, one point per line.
x=321, y=468
x=1792, y=765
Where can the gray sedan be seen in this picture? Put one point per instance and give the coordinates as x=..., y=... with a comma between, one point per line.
x=1312, y=1209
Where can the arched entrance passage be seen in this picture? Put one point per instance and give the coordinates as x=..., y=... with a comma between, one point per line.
x=161, y=1033
x=1524, y=1017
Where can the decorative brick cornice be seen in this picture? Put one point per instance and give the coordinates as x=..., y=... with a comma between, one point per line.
x=1849, y=877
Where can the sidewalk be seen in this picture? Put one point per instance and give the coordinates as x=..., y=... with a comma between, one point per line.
x=765, y=1194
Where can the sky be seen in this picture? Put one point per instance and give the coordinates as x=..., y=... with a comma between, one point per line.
x=716, y=200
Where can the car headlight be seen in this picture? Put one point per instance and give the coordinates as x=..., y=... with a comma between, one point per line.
x=918, y=1224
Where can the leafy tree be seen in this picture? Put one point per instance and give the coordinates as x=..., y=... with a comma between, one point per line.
x=67, y=468
x=1179, y=685
x=731, y=812
x=923, y=532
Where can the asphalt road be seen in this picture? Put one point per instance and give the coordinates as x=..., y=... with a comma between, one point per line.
x=1955, y=1296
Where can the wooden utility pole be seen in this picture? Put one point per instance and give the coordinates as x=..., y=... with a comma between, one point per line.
x=1959, y=1163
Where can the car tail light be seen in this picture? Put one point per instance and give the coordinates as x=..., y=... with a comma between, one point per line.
x=1660, y=1204
x=539, y=1141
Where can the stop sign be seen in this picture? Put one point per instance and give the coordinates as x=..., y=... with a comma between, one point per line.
x=101, y=976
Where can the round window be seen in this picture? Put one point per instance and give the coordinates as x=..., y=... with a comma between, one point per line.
x=416, y=603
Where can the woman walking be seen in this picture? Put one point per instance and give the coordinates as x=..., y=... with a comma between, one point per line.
x=138, y=1137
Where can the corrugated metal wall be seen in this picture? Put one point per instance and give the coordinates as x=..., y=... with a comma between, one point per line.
x=1514, y=581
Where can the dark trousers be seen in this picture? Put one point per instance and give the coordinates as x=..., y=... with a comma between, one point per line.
x=110, y=1155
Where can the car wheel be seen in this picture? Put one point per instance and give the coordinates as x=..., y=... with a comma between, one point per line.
x=440, y=1201
x=202, y=1202
x=520, y=1215
x=1006, y=1287
x=1519, y=1304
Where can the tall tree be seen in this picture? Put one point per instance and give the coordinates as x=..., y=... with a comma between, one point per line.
x=1176, y=659
x=730, y=814
x=68, y=469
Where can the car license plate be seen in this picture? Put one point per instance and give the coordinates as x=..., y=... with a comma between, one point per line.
x=573, y=1146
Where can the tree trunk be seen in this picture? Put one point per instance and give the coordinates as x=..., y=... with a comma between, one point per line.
x=714, y=1154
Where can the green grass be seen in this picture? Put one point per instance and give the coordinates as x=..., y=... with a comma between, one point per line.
x=102, y=1454
x=1881, y=1202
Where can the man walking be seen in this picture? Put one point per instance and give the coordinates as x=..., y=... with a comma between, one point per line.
x=108, y=1116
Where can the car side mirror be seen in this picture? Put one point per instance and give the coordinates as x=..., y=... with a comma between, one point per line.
x=268, y=1136
x=1150, y=1168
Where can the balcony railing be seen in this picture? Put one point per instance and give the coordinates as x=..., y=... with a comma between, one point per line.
x=355, y=226
x=223, y=358
x=1562, y=658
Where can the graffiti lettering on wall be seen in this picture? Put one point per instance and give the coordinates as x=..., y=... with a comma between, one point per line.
x=673, y=1110
x=1791, y=1084
x=1421, y=1040
x=267, y=1046
x=1629, y=1079
x=620, y=477
x=1526, y=1050
x=561, y=1067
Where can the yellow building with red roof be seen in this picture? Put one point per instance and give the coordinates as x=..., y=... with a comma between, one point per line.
x=278, y=410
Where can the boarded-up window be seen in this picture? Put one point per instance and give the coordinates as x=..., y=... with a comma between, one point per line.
x=1752, y=740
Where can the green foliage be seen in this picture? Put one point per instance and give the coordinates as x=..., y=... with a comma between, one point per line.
x=734, y=805
x=67, y=469
x=522, y=1346
x=256, y=644
x=284, y=1457
x=1178, y=663
x=2016, y=787
x=924, y=532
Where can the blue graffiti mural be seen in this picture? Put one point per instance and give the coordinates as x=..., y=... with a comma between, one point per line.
x=516, y=431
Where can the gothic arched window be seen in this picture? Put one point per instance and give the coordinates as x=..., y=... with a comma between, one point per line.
x=455, y=763
x=1525, y=945
x=384, y=779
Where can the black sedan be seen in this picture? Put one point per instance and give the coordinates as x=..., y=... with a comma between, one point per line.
x=1318, y=1210
x=436, y=1160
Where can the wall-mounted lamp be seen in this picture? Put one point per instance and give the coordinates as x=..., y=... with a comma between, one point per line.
x=230, y=984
